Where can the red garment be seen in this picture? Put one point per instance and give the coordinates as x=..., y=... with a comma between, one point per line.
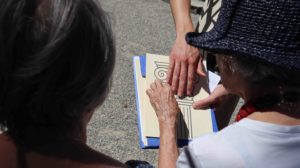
x=245, y=111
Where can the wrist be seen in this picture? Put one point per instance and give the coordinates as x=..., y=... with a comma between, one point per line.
x=181, y=30
x=168, y=136
x=167, y=130
x=167, y=122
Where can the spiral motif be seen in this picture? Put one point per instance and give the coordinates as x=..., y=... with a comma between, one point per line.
x=161, y=74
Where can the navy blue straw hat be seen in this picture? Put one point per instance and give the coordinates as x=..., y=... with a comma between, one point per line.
x=264, y=29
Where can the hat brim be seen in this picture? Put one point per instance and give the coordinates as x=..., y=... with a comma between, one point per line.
x=211, y=41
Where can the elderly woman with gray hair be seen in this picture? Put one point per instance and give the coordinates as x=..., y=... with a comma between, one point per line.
x=257, y=47
x=56, y=63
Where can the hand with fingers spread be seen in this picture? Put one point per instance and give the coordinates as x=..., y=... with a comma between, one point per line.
x=164, y=103
x=185, y=61
x=166, y=108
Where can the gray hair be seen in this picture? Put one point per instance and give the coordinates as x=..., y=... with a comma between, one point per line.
x=262, y=73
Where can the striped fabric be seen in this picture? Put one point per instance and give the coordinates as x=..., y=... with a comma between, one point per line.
x=209, y=15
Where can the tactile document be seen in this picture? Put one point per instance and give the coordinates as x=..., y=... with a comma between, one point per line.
x=191, y=122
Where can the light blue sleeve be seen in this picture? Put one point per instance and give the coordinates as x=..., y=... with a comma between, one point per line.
x=187, y=159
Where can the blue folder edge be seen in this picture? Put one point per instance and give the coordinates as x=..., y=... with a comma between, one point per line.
x=143, y=65
x=154, y=142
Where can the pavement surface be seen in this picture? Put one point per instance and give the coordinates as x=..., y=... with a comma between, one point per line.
x=140, y=26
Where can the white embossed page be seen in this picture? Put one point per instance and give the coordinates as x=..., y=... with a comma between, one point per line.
x=191, y=123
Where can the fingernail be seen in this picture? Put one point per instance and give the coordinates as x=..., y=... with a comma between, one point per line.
x=180, y=96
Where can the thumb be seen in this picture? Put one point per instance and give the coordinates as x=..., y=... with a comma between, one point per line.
x=204, y=103
x=214, y=98
x=200, y=67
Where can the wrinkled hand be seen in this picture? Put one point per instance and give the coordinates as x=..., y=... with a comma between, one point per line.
x=164, y=103
x=214, y=98
x=185, y=61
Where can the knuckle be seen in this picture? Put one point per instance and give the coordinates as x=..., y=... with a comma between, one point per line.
x=175, y=73
x=191, y=60
x=176, y=57
x=166, y=85
x=184, y=60
x=181, y=57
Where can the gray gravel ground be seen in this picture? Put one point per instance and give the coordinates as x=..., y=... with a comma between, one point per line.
x=140, y=26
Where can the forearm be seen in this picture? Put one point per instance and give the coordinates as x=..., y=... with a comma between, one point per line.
x=168, y=151
x=166, y=108
x=181, y=15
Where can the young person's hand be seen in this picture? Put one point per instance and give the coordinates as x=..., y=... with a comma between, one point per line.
x=164, y=103
x=185, y=61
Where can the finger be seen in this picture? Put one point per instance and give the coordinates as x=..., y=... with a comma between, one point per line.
x=156, y=109
x=175, y=77
x=182, y=79
x=190, y=79
x=170, y=70
x=153, y=86
x=204, y=103
x=158, y=84
x=200, y=67
x=212, y=99
x=155, y=105
x=149, y=92
x=166, y=85
x=171, y=96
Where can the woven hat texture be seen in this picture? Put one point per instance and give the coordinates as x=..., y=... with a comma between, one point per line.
x=264, y=29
